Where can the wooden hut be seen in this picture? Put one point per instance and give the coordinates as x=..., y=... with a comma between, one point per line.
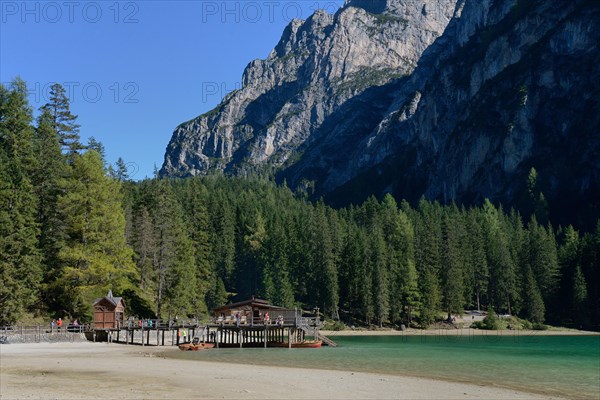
x=251, y=311
x=282, y=328
x=109, y=312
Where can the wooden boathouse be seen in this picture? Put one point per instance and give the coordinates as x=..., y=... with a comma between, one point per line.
x=109, y=312
x=256, y=323
x=249, y=323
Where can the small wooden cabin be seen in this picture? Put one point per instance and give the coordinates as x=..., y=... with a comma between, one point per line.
x=109, y=312
x=251, y=311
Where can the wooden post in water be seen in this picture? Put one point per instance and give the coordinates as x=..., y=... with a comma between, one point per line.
x=265, y=335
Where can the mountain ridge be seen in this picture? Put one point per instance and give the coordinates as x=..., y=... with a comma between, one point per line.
x=473, y=95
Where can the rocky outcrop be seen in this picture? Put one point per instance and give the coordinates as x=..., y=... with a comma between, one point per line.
x=454, y=100
x=318, y=66
x=515, y=85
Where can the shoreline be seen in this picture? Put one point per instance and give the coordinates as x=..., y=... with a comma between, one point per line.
x=99, y=370
x=466, y=332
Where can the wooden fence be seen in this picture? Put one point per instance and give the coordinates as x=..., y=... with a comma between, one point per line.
x=41, y=333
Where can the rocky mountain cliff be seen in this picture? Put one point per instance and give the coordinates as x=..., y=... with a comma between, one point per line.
x=451, y=99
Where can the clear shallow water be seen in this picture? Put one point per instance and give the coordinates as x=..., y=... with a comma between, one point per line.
x=559, y=365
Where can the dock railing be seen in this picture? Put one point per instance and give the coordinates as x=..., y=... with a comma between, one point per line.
x=41, y=333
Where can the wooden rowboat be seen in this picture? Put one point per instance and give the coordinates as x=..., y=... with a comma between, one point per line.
x=195, y=347
x=306, y=344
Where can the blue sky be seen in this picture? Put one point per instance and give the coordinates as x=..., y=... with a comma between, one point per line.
x=136, y=69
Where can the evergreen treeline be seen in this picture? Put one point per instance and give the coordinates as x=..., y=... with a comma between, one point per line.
x=73, y=227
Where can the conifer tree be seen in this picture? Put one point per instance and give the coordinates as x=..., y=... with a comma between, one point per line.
x=198, y=226
x=176, y=279
x=95, y=256
x=98, y=147
x=20, y=269
x=503, y=285
x=50, y=172
x=277, y=265
x=543, y=258
x=580, y=298
x=64, y=122
x=120, y=170
x=380, y=276
x=428, y=261
x=324, y=269
x=452, y=271
x=349, y=272
x=478, y=259
x=534, y=304
x=144, y=245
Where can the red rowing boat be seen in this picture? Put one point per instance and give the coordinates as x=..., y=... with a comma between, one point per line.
x=195, y=347
x=306, y=344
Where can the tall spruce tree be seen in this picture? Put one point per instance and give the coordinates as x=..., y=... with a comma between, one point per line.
x=144, y=245
x=452, y=273
x=324, y=269
x=534, y=304
x=543, y=258
x=20, y=261
x=428, y=237
x=580, y=306
x=95, y=256
x=478, y=260
x=176, y=288
x=378, y=264
x=50, y=172
x=64, y=122
x=503, y=285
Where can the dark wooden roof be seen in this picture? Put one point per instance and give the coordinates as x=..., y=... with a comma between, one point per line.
x=253, y=303
x=109, y=296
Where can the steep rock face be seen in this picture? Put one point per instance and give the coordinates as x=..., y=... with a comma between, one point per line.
x=318, y=66
x=374, y=100
x=517, y=85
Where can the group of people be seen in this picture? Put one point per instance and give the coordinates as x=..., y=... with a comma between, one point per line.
x=267, y=319
x=58, y=324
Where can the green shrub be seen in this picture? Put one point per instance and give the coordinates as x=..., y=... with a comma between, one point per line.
x=334, y=325
x=490, y=322
x=538, y=326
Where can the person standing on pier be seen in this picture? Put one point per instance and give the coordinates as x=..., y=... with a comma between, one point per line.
x=59, y=324
x=52, y=326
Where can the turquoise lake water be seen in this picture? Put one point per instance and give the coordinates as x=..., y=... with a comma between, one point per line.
x=559, y=365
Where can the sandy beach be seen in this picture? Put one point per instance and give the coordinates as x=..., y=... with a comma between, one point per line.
x=87, y=370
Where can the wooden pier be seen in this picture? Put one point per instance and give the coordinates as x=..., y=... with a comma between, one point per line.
x=256, y=323
x=250, y=323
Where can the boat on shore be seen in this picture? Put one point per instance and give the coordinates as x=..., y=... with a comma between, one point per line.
x=305, y=344
x=195, y=347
